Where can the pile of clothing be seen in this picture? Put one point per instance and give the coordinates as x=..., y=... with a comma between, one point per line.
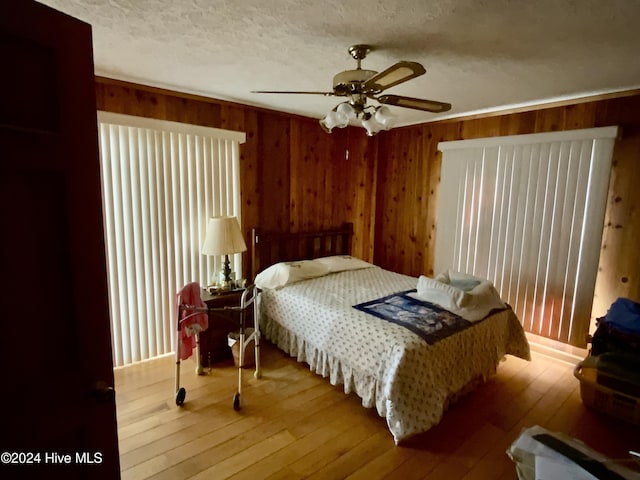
x=619, y=330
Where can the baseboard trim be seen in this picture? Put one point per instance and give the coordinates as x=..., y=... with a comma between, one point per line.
x=556, y=350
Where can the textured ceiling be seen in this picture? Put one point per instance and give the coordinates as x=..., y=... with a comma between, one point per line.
x=480, y=55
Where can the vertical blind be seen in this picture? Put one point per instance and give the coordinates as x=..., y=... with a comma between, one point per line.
x=527, y=212
x=161, y=181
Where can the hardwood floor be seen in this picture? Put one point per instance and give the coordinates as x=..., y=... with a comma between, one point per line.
x=294, y=424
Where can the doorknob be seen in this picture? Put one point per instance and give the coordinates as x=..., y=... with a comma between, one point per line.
x=103, y=392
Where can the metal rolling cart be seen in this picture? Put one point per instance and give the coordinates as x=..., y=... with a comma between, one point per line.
x=246, y=335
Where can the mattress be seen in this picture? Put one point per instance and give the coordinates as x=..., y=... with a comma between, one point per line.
x=388, y=366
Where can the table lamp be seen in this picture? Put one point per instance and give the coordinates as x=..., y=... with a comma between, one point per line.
x=223, y=238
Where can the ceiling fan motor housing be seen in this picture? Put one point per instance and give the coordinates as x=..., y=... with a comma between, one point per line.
x=351, y=81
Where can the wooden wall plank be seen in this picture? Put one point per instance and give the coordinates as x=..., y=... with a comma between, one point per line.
x=273, y=173
x=250, y=193
x=433, y=162
x=619, y=266
x=355, y=173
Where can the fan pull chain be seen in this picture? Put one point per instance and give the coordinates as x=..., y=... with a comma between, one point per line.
x=346, y=150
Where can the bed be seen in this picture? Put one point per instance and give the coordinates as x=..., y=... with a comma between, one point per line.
x=409, y=377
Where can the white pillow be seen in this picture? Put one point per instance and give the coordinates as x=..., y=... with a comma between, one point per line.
x=285, y=273
x=340, y=263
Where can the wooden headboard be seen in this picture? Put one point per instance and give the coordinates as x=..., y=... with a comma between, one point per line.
x=268, y=248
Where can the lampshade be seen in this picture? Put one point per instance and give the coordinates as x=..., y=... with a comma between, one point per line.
x=371, y=126
x=335, y=118
x=384, y=117
x=223, y=237
x=346, y=109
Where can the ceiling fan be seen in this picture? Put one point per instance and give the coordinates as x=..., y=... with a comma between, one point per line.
x=359, y=85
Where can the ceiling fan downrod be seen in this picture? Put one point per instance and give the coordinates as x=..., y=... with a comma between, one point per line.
x=359, y=52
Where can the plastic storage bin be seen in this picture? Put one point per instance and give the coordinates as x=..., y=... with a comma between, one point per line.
x=609, y=384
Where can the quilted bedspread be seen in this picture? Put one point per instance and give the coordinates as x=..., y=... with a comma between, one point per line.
x=388, y=366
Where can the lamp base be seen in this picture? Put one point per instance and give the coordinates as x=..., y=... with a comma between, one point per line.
x=226, y=282
x=226, y=270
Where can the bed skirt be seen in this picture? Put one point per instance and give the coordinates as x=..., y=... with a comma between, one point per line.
x=366, y=386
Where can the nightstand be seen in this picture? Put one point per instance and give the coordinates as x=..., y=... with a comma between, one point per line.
x=213, y=341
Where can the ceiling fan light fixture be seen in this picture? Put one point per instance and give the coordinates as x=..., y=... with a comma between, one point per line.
x=325, y=127
x=338, y=117
x=370, y=124
x=372, y=119
x=384, y=117
x=341, y=119
x=329, y=122
x=347, y=110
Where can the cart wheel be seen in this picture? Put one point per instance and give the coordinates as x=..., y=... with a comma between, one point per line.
x=236, y=402
x=180, y=395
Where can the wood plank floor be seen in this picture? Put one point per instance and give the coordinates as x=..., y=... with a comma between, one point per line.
x=294, y=424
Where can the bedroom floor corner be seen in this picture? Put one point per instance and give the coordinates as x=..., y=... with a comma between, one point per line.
x=294, y=424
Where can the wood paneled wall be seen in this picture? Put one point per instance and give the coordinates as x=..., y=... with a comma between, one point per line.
x=293, y=175
x=409, y=176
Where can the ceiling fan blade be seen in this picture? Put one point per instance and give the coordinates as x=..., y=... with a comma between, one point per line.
x=395, y=74
x=326, y=94
x=415, y=103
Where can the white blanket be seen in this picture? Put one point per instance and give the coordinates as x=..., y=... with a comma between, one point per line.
x=387, y=365
x=472, y=298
